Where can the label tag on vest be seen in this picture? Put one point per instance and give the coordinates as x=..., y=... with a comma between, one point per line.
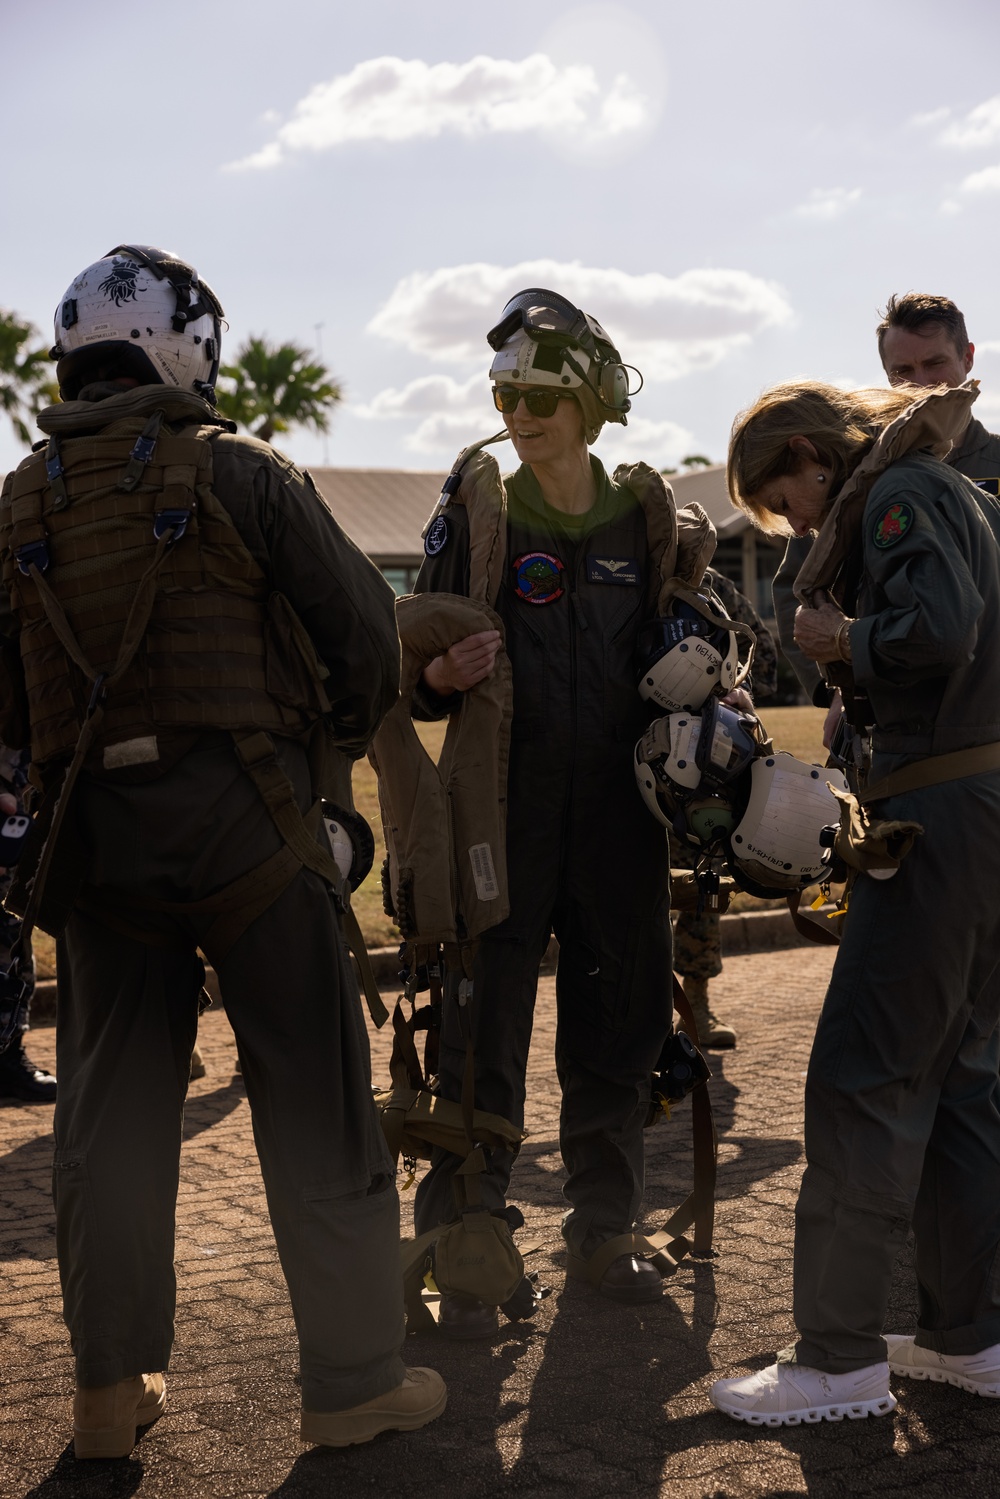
x=989, y=486
x=621, y=570
x=483, y=872
x=131, y=752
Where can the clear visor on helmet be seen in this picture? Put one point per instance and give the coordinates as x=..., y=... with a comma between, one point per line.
x=726, y=745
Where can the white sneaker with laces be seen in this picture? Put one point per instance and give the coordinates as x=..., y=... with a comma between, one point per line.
x=979, y=1373
x=793, y=1395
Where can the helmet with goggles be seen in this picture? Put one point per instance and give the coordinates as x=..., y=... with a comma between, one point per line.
x=684, y=656
x=784, y=839
x=689, y=768
x=144, y=313
x=542, y=340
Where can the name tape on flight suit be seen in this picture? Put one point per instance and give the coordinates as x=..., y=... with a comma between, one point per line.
x=621, y=570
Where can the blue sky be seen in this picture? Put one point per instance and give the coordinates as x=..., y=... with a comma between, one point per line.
x=733, y=190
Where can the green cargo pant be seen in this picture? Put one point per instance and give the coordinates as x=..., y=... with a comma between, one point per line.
x=697, y=938
x=127, y=1022
x=903, y=1096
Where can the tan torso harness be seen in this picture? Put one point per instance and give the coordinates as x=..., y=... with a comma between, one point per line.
x=143, y=617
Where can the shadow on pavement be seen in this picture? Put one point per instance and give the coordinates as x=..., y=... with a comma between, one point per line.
x=28, y=1168
x=115, y=1479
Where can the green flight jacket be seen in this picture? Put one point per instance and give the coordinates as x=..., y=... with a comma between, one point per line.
x=977, y=456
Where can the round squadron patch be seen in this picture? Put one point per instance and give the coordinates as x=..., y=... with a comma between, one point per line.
x=893, y=524
x=437, y=537
x=538, y=577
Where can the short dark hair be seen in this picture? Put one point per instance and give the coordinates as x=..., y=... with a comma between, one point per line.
x=916, y=311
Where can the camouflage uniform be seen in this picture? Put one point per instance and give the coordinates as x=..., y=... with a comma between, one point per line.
x=697, y=940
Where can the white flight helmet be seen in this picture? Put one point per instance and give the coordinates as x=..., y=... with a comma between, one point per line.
x=542, y=339
x=145, y=312
x=781, y=843
x=683, y=657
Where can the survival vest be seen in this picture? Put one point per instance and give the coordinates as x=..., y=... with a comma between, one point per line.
x=87, y=519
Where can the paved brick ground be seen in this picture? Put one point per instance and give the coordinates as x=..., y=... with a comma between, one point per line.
x=590, y=1400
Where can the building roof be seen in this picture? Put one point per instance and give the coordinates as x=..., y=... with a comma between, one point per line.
x=384, y=510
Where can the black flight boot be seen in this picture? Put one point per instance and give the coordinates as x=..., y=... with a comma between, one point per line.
x=21, y=1079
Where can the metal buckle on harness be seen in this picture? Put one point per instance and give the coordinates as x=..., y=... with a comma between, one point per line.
x=167, y=520
x=53, y=467
x=144, y=448
x=32, y=554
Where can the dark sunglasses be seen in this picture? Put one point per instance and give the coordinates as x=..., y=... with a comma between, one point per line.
x=507, y=398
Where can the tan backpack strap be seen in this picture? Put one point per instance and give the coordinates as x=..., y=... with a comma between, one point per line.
x=934, y=771
x=698, y=1208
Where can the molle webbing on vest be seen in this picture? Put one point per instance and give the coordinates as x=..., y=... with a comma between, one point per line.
x=445, y=824
x=218, y=651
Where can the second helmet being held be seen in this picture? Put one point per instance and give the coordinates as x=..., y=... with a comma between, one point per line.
x=144, y=312
x=784, y=839
x=689, y=766
x=683, y=657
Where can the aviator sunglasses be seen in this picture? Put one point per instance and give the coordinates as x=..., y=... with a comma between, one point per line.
x=507, y=398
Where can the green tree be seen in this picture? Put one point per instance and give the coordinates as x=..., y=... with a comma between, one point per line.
x=273, y=387
x=26, y=383
x=696, y=460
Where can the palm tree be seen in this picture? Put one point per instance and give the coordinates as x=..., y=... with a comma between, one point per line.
x=277, y=386
x=26, y=384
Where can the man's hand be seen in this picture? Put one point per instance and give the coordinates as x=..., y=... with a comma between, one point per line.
x=467, y=662
x=740, y=699
x=816, y=631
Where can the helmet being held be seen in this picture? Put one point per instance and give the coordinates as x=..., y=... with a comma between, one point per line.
x=146, y=313
x=543, y=340
x=683, y=657
x=690, y=767
x=784, y=840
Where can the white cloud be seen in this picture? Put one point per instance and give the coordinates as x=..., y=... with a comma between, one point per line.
x=986, y=181
x=391, y=99
x=930, y=117
x=988, y=346
x=453, y=413
x=828, y=203
x=980, y=127
x=667, y=325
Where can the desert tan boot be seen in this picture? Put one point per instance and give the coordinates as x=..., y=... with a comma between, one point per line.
x=420, y=1398
x=105, y=1418
x=712, y=1032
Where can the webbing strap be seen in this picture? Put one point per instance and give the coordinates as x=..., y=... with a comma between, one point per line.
x=934, y=771
x=135, y=629
x=699, y=1208
x=813, y=931
x=734, y=626
x=260, y=761
x=663, y=1250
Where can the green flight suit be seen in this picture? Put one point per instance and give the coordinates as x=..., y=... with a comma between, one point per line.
x=128, y=1009
x=977, y=456
x=902, y=1092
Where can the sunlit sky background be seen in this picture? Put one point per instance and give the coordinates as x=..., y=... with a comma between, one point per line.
x=733, y=189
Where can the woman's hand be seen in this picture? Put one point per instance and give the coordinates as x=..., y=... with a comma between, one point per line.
x=464, y=664
x=816, y=631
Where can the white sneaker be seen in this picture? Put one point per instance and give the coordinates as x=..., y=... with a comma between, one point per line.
x=979, y=1373
x=790, y=1394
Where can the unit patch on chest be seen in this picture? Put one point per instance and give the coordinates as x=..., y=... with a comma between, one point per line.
x=538, y=577
x=893, y=524
x=621, y=570
x=989, y=486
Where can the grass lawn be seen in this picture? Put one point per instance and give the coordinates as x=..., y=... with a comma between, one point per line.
x=799, y=730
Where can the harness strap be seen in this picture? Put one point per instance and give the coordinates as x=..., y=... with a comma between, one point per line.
x=699, y=1207
x=662, y=1250
x=135, y=629
x=55, y=474
x=934, y=771
x=259, y=759
x=141, y=454
x=734, y=626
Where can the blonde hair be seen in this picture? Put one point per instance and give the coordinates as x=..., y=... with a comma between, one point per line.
x=842, y=425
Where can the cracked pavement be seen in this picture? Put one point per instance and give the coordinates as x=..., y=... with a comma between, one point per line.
x=590, y=1399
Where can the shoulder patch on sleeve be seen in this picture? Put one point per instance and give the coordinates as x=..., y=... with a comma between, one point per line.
x=437, y=537
x=893, y=524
